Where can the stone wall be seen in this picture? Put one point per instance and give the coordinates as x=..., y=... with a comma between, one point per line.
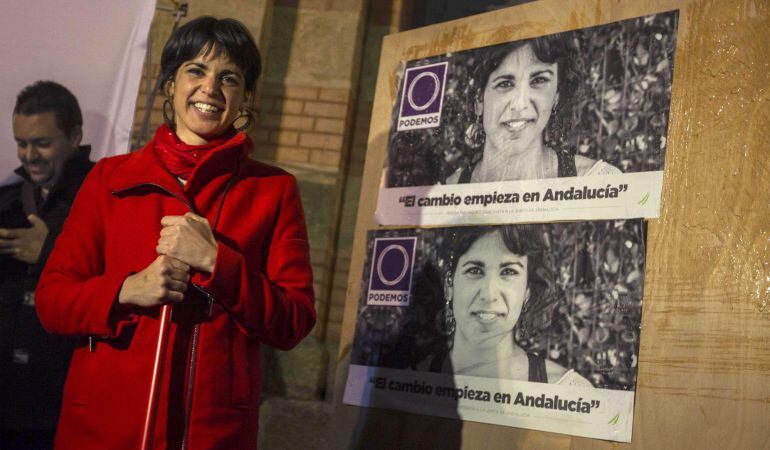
x=383, y=17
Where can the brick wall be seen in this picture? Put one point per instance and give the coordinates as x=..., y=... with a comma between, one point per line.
x=302, y=125
x=384, y=17
x=302, y=128
x=347, y=223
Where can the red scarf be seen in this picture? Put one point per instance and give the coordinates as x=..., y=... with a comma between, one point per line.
x=179, y=158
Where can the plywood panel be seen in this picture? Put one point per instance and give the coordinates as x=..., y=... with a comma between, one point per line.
x=704, y=370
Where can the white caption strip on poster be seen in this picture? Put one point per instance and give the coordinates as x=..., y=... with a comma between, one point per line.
x=597, y=413
x=621, y=196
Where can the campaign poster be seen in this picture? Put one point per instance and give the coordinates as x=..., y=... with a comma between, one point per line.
x=566, y=126
x=526, y=325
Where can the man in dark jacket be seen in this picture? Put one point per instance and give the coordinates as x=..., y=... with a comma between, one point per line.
x=47, y=127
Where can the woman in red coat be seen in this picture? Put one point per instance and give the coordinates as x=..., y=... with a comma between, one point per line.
x=189, y=220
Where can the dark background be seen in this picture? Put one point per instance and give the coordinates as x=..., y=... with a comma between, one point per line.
x=428, y=12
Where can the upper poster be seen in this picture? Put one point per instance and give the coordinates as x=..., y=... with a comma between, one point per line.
x=528, y=325
x=567, y=126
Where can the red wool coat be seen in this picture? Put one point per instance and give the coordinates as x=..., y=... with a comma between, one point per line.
x=260, y=291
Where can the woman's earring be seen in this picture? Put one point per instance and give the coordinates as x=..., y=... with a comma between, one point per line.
x=474, y=134
x=526, y=299
x=450, y=324
x=248, y=120
x=169, y=120
x=523, y=318
x=554, y=124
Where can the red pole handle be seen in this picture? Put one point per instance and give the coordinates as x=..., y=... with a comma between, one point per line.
x=157, y=375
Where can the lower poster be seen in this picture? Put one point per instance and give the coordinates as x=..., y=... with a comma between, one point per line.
x=532, y=326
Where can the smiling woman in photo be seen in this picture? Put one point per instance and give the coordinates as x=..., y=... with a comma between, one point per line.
x=523, y=93
x=190, y=221
x=494, y=275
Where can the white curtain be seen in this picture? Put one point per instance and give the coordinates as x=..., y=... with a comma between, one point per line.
x=95, y=48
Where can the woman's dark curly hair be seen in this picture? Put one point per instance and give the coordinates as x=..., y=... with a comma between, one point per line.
x=527, y=240
x=554, y=48
x=206, y=34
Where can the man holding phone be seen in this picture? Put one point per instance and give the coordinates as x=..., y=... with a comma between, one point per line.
x=47, y=126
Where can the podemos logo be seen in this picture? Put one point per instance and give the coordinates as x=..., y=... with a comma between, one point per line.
x=422, y=97
x=390, y=279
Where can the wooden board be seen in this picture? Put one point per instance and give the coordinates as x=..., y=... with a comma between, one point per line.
x=704, y=369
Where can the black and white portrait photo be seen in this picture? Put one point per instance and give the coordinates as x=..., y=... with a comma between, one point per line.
x=592, y=102
x=528, y=304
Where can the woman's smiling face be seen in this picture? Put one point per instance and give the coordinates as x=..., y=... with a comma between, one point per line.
x=489, y=289
x=517, y=103
x=207, y=95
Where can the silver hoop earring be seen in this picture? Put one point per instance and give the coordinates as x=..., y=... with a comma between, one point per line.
x=474, y=134
x=523, y=317
x=447, y=319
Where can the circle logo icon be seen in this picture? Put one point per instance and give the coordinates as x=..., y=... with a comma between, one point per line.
x=404, y=268
x=434, y=95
